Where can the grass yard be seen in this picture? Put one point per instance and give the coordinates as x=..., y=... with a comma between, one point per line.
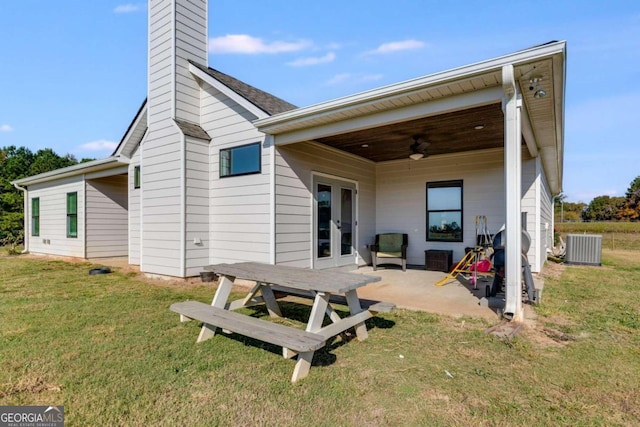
x=108, y=349
x=615, y=235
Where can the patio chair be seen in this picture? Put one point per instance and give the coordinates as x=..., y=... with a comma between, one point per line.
x=390, y=248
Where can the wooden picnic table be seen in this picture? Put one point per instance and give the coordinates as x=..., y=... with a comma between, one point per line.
x=273, y=280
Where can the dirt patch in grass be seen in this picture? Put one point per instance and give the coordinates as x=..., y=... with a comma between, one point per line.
x=552, y=270
x=29, y=385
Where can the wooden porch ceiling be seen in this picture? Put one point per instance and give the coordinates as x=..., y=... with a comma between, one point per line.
x=447, y=133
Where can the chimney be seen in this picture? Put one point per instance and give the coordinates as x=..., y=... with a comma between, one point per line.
x=177, y=34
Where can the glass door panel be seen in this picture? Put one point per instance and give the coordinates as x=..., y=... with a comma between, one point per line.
x=324, y=218
x=346, y=221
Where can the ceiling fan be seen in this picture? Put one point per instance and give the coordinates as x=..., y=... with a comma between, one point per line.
x=418, y=148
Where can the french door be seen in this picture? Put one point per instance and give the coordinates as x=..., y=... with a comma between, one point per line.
x=335, y=222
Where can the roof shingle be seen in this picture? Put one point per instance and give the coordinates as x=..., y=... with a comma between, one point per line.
x=268, y=103
x=192, y=129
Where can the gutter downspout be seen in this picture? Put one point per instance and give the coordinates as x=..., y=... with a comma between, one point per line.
x=25, y=209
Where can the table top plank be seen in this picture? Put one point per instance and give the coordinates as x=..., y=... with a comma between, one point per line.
x=294, y=277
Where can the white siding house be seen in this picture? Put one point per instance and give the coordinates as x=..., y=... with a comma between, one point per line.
x=239, y=216
x=53, y=237
x=106, y=217
x=230, y=173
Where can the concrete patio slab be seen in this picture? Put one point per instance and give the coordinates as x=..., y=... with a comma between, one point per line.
x=415, y=289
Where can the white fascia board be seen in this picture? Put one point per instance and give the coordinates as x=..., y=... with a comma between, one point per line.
x=139, y=120
x=559, y=80
x=439, y=106
x=428, y=81
x=79, y=169
x=242, y=101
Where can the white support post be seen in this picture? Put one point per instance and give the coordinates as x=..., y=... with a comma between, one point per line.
x=512, y=105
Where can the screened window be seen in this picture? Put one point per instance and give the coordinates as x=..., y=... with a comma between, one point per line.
x=444, y=211
x=136, y=177
x=243, y=160
x=72, y=214
x=35, y=216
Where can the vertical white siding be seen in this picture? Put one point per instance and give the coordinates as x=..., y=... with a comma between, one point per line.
x=177, y=33
x=191, y=43
x=161, y=62
x=107, y=217
x=197, y=206
x=161, y=198
x=530, y=205
x=538, y=203
x=546, y=217
x=294, y=199
x=134, y=212
x=401, y=197
x=239, y=206
x=53, y=238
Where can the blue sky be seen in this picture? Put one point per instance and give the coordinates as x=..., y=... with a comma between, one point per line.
x=73, y=72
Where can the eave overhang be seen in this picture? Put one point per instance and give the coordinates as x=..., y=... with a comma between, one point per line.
x=75, y=170
x=544, y=127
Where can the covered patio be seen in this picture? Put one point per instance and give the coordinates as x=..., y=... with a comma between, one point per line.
x=491, y=131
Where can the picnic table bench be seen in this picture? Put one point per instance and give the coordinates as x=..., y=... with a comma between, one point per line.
x=322, y=286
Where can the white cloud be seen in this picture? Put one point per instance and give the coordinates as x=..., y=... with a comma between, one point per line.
x=370, y=77
x=339, y=78
x=127, y=8
x=392, y=47
x=99, y=145
x=6, y=128
x=305, y=62
x=249, y=45
x=353, y=78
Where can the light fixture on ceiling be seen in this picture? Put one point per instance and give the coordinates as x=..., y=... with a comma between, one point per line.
x=478, y=127
x=540, y=93
x=418, y=148
x=535, y=85
x=365, y=146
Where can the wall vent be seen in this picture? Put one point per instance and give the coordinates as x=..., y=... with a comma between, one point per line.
x=584, y=249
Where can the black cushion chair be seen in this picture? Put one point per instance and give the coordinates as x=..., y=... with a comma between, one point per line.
x=390, y=248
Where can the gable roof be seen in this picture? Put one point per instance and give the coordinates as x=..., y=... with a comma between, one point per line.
x=134, y=133
x=268, y=103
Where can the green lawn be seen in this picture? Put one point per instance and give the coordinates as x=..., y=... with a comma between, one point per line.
x=108, y=349
x=615, y=235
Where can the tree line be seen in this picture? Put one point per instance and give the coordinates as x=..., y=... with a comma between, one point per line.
x=602, y=208
x=17, y=163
